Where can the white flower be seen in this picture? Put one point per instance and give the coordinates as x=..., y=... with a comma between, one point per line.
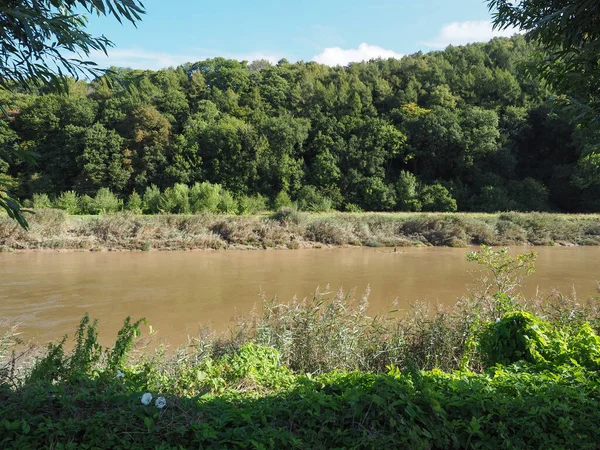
x=160, y=402
x=497, y=319
x=146, y=398
x=120, y=374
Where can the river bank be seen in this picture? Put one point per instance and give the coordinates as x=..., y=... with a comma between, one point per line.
x=54, y=230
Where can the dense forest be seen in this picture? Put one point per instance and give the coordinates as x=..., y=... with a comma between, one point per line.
x=461, y=129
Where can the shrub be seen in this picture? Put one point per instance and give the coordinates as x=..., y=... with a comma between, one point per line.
x=437, y=230
x=227, y=204
x=41, y=201
x=87, y=353
x=352, y=208
x=507, y=273
x=286, y=216
x=376, y=195
x=175, y=199
x=86, y=204
x=205, y=197
x=329, y=232
x=252, y=205
x=106, y=202
x=407, y=188
x=530, y=195
x=510, y=231
x=282, y=200
x=69, y=202
x=518, y=336
x=309, y=199
x=135, y=203
x=494, y=199
x=436, y=198
x=521, y=336
x=48, y=222
x=152, y=199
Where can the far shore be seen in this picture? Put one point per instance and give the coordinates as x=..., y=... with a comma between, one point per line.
x=54, y=230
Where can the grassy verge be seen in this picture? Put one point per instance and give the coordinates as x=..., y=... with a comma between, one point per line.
x=496, y=371
x=53, y=229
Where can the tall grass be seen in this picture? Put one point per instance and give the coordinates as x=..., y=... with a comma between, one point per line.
x=288, y=228
x=335, y=331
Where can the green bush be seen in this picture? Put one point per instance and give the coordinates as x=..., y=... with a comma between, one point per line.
x=282, y=200
x=86, y=204
x=135, y=203
x=583, y=348
x=309, y=199
x=106, y=202
x=494, y=199
x=518, y=336
x=152, y=198
x=352, y=208
x=252, y=205
x=205, y=197
x=521, y=336
x=530, y=195
x=407, y=191
x=227, y=204
x=436, y=198
x=175, y=199
x=41, y=201
x=69, y=202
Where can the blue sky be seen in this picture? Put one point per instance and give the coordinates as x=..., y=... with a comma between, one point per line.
x=328, y=31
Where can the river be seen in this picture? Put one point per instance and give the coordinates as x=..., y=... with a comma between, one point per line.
x=179, y=292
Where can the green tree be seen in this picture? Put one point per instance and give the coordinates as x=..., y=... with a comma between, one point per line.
x=279, y=162
x=68, y=201
x=586, y=177
x=152, y=198
x=436, y=198
x=135, y=203
x=100, y=159
x=37, y=37
x=205, y=197
x=569, y=32
x=475, y=123
x=407, y=190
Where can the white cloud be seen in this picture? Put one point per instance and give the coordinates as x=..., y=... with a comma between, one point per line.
x=460, y=33
x=336, y=56
x=136, y=58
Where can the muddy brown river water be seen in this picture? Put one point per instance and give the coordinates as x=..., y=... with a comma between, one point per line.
x=178, y=292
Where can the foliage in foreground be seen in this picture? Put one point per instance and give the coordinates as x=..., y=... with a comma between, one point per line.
x=569, y=34
x=248, y=399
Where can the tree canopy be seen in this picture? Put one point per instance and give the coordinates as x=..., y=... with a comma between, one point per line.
x=464, y=129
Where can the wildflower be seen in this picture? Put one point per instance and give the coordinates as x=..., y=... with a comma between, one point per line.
x=160, y=402
x=497, y=319
x=146, y=398
x=120, y=374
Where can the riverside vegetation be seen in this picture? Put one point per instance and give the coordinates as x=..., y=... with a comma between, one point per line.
x=289, y=228
x=464, y=129
x=495, y=371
